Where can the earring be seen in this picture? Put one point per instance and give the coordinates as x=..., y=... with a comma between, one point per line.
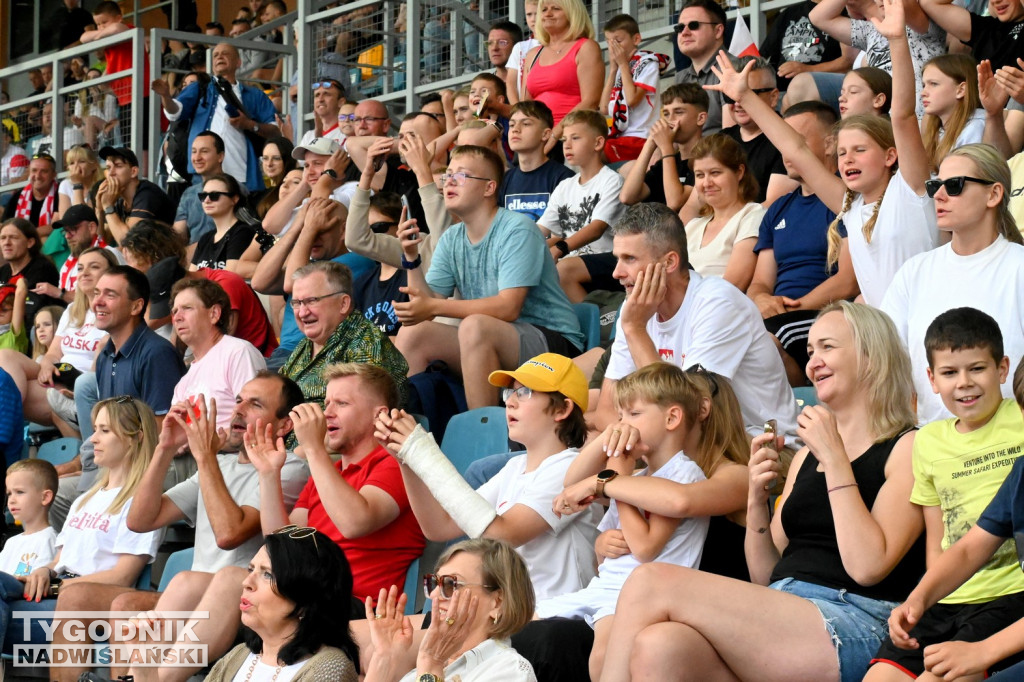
x=497, y=618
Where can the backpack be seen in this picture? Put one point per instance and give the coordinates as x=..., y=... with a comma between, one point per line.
x=438, y=395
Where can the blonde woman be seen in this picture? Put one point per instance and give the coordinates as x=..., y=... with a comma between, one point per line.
x=83, y=173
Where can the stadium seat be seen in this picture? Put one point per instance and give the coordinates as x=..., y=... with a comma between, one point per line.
x=589, y=316
x=60, y=451
x=474, y=434
x=176, y=562
x=412, y=587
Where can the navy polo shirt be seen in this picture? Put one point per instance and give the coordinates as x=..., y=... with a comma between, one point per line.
x=147, y=367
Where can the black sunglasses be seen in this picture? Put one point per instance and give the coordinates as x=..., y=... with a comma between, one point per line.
x=954, y=186
x=693, y=25
x=704, y=372
x=213, y=196
x=757, y=91
x=381, y=227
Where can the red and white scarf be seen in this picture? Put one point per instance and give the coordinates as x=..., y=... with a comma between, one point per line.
x=24, y=208
x=619, y=108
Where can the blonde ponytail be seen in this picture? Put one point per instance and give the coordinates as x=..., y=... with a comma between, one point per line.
x=835, y=240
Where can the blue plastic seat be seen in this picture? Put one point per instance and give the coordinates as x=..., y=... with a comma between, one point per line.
x=475, y=434
x=176, y=563
x=60, y=451
x=589, y=316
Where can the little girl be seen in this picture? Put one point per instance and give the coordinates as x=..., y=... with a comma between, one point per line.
x=45, y=327
x=953, y=115
x=12, y=316
x=866, y=91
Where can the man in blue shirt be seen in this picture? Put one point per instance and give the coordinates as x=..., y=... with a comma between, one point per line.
x=210, y=110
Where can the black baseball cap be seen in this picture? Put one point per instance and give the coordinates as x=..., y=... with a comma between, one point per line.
x=76, y=215
x=121, y=153
x=162, y=277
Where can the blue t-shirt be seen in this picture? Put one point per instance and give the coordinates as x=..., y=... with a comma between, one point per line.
x=1004, y=516
x=376, y=297
x=146, y=366
x=528, y=192
x=796, y=226
x=512, y=254
x=290, y=334
x=190, y=209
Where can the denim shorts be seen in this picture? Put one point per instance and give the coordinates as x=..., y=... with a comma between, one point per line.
x=856, y=624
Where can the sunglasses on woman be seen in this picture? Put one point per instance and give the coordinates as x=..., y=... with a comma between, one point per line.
x=298, y=533
x=448, y=583
x=954, y=186
x=213, y=196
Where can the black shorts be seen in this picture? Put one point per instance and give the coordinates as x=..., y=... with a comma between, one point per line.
x=601, y=268
x=954, y=623
x=791, y=330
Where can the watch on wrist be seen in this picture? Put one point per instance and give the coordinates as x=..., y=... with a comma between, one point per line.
x=55, y=586
x=412, y=264
x=429, y=677
x=255, y=127
x=331, y=173
x=563, y=246
x=602, y=479
x=109, y=210
x=78, y=186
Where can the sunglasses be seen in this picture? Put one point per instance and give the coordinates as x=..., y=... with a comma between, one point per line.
x=757, y=91
x=213, y=196
x=703, y=371
x=693, y=25
x=381, y=227
x=128, y=400
x=328, y=84
x=298, y=533
x=954, y=186
x=448, y=584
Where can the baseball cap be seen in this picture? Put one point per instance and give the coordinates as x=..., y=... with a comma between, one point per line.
x=76, y=215
x=5, y=291
x=320, y=145
x=162, y=277
x=121, y=153
x=549, y=373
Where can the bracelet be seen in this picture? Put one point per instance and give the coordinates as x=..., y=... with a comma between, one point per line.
x=840, y=487
x=411, y=264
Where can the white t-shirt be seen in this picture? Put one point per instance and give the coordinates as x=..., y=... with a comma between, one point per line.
x=646, y=74
x=517, y=58
x=92, y=539
x=713, y=258
x=686, y=544
x=220, y=375
x=573, y=206
x=236, y=147
x=973, y=130
x=493, y=660
x=78, y=345
x=991, y=280
x=25, y=552
x=904, y=228
x=562, y=559
x=19, y=157
x=718, y=327
x=242, y=482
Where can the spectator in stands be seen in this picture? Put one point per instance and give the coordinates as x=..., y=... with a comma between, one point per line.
x=19, y=246
x=562, y=72
x=527, y=186
x=81, y=230
x=794, y=45
x=866, y=91
x=207, y=159
x=334, y=331
x=210, y=110
x=13, y=332
x=483, y=588
x=125, y=198
x=792, y=280
x=669, y=180
x=629, y=90
x=14, y=163
x=371, y=118
x=148, y=367
x=300, y=584
x=152, y=249
x=240, y=25
x=359, y=501
x=319, y=156
x=700, y=36
x=37, y=201
x=95, y=543
x=96, y=112
x=503, y=36
x=84, y=173
x=214, y=28
x=328, y=96
x=222, y=500
x=511, y=307
x=851, y=482
x=75, y=342
x=228, y=246
x=12, y=422
x=277, y=162
x=43, y=143
x=516, y=65
x=375, y=292
x=718, y=327
x=346, y=118
x=120, y=57
x=721, y=241
x=992, y=37
x=953, y=115
x=979, y=267
x=72, y=21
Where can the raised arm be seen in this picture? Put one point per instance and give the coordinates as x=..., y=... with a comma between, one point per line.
x=269, y=275
x=265, y=450
x=915, y=162
x=151, y=509
x=828, y=16
x=993, y=98
x=829, y=188
x=952, y=19
x=278, y=214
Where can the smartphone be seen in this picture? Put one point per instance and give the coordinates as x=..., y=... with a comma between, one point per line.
x=405, y=205
x=772, y=426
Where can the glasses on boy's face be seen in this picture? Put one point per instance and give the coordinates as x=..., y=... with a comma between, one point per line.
x=693, y=25
x=521, y=393
x=448, y=583
x=954, y=186
x=460, y=178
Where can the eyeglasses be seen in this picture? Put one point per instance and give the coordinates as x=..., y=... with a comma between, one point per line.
x=298, y=533
x=328, y=84
x=522, y=393
x=694, y=25
x=381, y=227
x=500, y=43
x=268, y=159
x=360, y=119
x=297, y=303
x=954, y=186
x=460, y=178
x=703, y=371
x=346, y=117
x=213, y=196
x=448, y=584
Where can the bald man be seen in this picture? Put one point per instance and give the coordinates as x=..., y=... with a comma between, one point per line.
x=220, y=112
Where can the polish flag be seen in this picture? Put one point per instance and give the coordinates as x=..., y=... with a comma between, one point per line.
x=742, y=43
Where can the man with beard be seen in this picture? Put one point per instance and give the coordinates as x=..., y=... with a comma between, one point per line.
x=81, y=230
x=222, y=500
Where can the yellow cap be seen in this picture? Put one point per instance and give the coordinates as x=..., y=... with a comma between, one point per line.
x=549, y=373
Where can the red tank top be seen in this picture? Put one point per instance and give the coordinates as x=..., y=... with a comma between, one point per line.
x=556, y=85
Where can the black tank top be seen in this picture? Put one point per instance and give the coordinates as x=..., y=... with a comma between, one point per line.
x=813, y=552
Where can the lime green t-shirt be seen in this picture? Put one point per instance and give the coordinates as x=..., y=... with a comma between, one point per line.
x=18, y=342
x=961, y=472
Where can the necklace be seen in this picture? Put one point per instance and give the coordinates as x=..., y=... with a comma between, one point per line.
x=252, y=667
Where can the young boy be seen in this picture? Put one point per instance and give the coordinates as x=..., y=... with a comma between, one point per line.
x=959, y=464
x=31, y=487
x=376, y=291
x=527, y=187
x=13, y=332
x=488, y=101
x=662, y=406
x=669, y=181
x=630, y=89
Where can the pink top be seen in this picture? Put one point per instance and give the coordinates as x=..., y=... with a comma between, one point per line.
x=556, y=85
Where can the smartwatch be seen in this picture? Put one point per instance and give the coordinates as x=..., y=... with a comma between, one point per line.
x=602, y=478
x=562, y=246
x=109, y=210
x=331, y=173
x=412, y=264
x=429, y=677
